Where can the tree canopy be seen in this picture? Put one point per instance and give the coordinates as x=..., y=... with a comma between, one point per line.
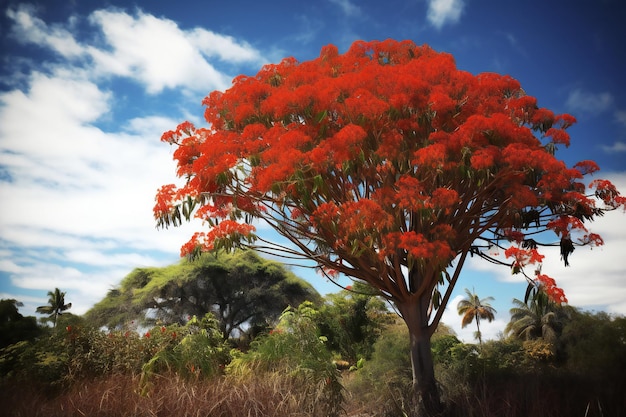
x=13, y=326
x=245, y=292
x=390, y=165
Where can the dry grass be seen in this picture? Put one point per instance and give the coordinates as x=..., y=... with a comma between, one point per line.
x=120, y=396
x=272, y=396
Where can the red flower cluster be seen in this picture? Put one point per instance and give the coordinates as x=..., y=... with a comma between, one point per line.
x=523, y=257
x=206, y=241
x=555, y=293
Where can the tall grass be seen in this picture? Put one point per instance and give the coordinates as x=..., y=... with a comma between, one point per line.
x=119, y=396
x=281, y=395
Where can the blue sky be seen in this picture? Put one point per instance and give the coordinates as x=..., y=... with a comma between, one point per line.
x=87, y=88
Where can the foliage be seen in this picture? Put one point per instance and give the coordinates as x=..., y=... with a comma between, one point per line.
x=74, y=369
x=13, y=326
x=201, y=352
x=385, y=163
x=245, y=292
x=352, y=320
x=56, y=306
x=384, y=381
x=539, y=317
x=443, y=346
x=595, y=344
x=295, y=350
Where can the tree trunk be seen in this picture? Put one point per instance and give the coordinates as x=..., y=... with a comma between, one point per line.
x=425, y=391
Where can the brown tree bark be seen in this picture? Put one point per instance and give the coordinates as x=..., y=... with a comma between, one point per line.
x=425, y=390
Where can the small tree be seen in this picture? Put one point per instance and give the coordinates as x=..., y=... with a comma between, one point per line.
x=387, y=164
x=56, y=306
x=474, y=308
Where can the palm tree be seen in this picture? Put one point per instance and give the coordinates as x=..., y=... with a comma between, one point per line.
x=473, y=308
x=536, y=318
x=56, y=305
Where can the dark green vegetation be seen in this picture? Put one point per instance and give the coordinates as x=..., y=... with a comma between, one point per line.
x=246, y=293
x=341, y=355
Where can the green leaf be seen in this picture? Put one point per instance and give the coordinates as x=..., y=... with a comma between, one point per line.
x=318, y=182
x=321, y=116
x=436, y=299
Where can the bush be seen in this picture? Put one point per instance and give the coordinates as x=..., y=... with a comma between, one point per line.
x=202, y=351
x=383, y=385
x=294, y=354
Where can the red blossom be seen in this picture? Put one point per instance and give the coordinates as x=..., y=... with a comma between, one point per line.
x=559, y=136
x=608, y=193
x=555, y=293
x=565, y=120
x=523, y=257
x=587, y=167
x=383, y=158
x=164, y=199
x=592, y=239
x=564, y=225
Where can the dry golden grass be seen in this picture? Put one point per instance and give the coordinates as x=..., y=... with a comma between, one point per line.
x=121, y=396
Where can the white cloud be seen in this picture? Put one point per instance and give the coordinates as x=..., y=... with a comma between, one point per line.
x=153, y=51
x=347, y=7
x=29, y=28
x=615, y=147
x=76, y=200
x=442, y=12
x=585, y=102
x=226, y=48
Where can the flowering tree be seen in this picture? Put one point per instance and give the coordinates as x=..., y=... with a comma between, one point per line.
x=390, y=165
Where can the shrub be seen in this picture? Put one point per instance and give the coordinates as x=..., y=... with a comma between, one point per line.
x=196, y=350
x=295, y=354
x=383, y=384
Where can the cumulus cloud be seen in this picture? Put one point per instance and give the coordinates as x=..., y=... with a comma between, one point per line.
x=442, y=12
x=159, y=54
x=75, y=199
x=153, y=51
x=29, y=28
x=589, y=103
